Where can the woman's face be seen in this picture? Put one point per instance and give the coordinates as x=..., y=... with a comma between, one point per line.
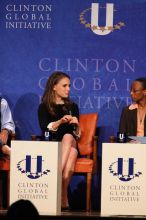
x=137, y=91
x=62, y=88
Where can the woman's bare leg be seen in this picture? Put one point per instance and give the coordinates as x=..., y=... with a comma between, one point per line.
x=67, y=174
x=67, y=143
x=69, y=156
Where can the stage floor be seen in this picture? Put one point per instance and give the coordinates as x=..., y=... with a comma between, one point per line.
x=80, y=215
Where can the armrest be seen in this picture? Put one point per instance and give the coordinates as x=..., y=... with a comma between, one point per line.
x=35, y=137
x=112, y=139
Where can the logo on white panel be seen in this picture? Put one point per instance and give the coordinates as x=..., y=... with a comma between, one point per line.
x=32, y=167
x=125, y=170
x=90, y=18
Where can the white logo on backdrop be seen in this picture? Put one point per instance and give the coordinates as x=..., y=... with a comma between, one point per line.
x=94, y=25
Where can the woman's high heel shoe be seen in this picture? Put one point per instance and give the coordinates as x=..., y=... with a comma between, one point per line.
x=66, y=208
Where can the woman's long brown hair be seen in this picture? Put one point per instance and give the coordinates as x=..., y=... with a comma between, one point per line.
x=48, y=97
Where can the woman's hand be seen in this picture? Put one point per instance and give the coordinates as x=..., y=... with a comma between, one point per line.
x=74, y=120
x=66, y=119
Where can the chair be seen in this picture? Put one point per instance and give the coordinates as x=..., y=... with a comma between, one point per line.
x=5, y=169
x=86, y=163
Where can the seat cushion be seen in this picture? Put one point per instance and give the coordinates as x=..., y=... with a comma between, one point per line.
x=84, y=165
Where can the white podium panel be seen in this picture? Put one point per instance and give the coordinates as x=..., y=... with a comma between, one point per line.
x=35, y=174
x=123, y=190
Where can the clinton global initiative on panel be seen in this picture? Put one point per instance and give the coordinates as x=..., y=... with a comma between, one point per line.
x=28, y=16
x=96, y=65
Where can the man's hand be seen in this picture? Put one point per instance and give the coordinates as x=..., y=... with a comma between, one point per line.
x=4, y=136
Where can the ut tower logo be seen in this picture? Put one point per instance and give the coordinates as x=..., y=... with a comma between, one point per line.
x=32, y=167
x=125, y=170
x=95, y=18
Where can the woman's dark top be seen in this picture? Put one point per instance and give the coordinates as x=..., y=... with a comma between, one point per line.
x=45, y=118
x=128, y=122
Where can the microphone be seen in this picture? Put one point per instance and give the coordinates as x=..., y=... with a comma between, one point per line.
x=74, y=126
x=121, y=137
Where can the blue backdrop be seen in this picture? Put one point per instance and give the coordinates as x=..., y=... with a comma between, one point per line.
x=38, y=37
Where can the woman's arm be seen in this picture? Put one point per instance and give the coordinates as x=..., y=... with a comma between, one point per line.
x=43, y=117
x=123, y=121
x=55, y=124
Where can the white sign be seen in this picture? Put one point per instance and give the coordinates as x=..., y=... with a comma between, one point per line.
x=123, y=179
x=35, y=174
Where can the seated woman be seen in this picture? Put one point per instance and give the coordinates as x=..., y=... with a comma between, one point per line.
x=60, y=115
x=133, y=117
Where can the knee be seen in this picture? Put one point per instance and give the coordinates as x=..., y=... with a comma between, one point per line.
x=67, y=173
x=65, y=177
x=68, y=139
x=74, y=152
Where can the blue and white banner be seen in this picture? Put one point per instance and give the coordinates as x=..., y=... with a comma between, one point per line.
x=123, y=179
x=36, y=175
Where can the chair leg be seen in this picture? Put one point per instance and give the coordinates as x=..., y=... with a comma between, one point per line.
x=0, y=190
x=8, y=188
x=3, y=189
x=88, y=192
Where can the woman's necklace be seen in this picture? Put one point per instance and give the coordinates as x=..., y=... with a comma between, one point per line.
x=141, y=114
x=59, y=102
